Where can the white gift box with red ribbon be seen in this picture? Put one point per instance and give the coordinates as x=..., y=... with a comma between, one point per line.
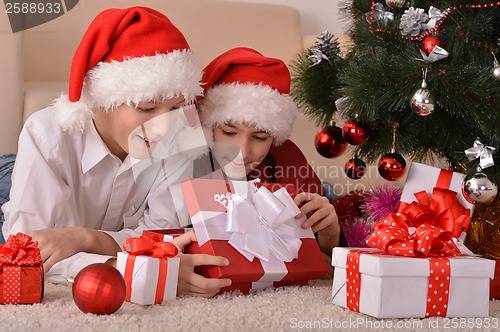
x=150, y=270
x=425, y=177
x=386, y=286
x=146, y=278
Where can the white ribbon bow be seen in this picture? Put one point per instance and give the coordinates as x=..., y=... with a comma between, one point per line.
x=481, y=151
x=380, y=14
x=434, y=16
x=437, y=54
x=263, y=224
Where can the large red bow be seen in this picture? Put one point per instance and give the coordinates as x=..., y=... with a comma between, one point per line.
x=442, y=210
x=392, y=236
x=147, y=247
x=20, y=250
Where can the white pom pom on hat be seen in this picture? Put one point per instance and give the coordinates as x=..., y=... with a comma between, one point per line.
x=244, y=86
x=127, y=56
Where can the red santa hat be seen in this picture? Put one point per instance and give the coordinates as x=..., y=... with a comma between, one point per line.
x=127, y=56
x=243, y=86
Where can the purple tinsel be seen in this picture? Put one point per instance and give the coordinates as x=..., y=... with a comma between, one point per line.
x=380, y=202
x=371, y=206
x=357, y=232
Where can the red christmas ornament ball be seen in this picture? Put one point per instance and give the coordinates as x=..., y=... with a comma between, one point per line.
x=392, y=166
x=99, y=289
x=355, y=168
x=329, y=142
x=429, y=43
x=355, y=133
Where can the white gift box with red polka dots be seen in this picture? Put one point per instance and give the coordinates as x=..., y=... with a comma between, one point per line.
x=407, y=287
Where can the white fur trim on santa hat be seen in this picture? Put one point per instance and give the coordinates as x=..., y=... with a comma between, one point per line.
x=258, y=105
x=136, y=80
x=72, y=117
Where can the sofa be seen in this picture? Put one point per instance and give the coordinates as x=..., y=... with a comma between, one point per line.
x=35, y=62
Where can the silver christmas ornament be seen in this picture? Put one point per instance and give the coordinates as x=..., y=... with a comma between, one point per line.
x=395, y=4
x=480, y=188
x=496, y=72
x=422, y=102
x=496, y=67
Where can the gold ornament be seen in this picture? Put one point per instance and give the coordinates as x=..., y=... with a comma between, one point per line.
x=483, y=235
x=460, y=167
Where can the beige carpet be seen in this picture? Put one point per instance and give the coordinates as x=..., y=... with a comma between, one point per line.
x=284, y=309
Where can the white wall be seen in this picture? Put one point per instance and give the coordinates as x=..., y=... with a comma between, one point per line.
x=316, y=15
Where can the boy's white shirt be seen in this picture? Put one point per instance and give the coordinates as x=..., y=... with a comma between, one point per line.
x=48, y=159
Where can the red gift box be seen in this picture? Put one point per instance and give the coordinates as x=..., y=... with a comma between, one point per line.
x=495, y=282
x=21, y=271
x=207, y=201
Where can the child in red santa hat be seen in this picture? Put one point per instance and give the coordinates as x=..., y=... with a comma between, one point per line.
x=248, y=109
x=74, y=190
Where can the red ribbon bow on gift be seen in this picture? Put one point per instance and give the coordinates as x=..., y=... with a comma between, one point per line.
x=442, y=210
x=147, y=247
x=20, y=250
x=392, y=236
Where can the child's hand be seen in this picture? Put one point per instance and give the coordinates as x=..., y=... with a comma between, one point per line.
x=191, y=283
x=320, y=213
x=321, y=216
x=56, y=244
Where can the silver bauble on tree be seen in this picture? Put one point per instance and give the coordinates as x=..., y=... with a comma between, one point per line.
x=496, y=67
x=422, y=101
x=395, y=4
x=480, y=188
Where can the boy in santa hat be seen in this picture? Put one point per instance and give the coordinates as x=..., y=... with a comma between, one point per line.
x=74, y=185
x=247, y=107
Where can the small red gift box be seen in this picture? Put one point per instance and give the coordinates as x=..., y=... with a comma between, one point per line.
x=495, y=282
x=209, y=201
x=21, y=271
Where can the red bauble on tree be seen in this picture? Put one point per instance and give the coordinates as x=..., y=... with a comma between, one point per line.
x=355, y=133
x=329, y=142
x=429, y=43
x=355, y=168
x=99, y=289
x=392, y=166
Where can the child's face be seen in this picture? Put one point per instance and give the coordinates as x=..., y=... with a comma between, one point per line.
x=136, y=130
x=239, y=148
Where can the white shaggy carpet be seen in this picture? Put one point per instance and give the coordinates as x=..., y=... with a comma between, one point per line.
x=283, y=309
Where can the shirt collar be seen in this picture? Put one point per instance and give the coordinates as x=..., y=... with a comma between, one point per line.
x=94, y=149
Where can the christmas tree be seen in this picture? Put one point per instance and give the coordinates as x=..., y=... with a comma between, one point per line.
x=422, y=78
